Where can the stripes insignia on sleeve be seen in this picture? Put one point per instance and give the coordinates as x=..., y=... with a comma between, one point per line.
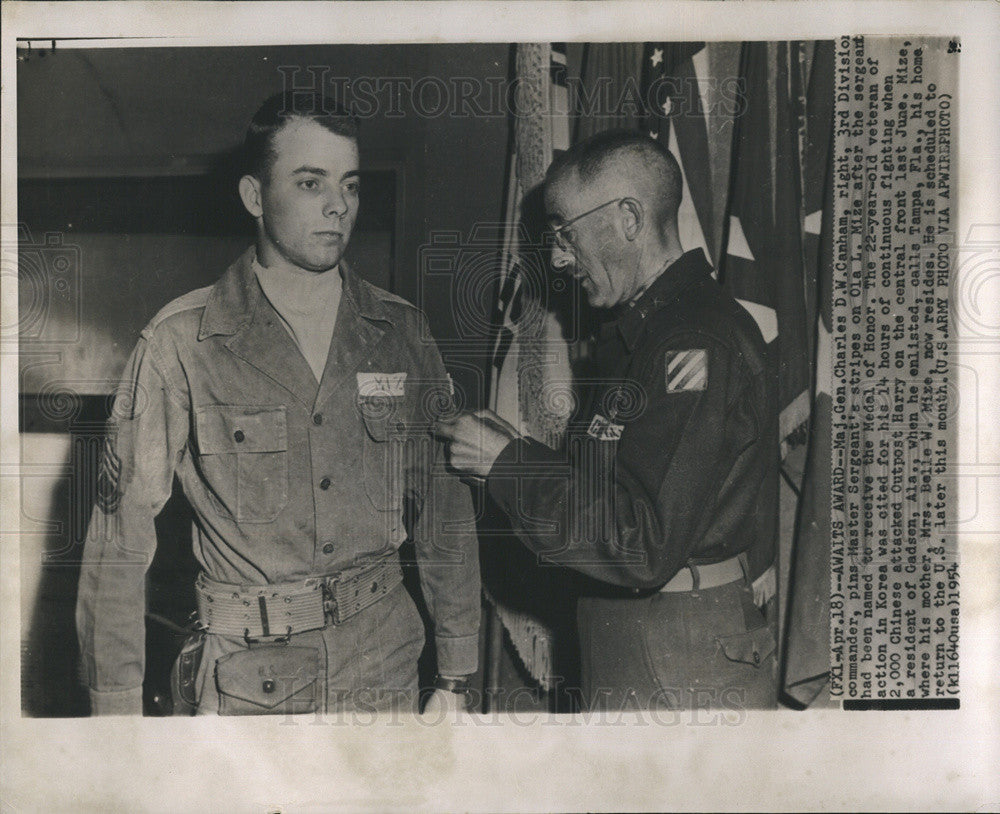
x=109, y=479
x=686, y=370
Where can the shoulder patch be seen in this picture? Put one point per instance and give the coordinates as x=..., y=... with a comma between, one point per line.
x=187, y=302
x=686, y=370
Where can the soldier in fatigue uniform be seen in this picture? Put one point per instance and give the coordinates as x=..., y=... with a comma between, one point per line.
x=290, y=398
x=666, y=489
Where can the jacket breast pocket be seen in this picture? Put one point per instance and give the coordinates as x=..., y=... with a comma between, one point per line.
x=384, y=451
x=243, y=455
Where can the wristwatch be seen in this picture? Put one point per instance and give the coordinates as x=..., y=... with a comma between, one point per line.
x=456, y=684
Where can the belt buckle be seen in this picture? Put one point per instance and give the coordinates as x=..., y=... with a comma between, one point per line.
x=274, y=638
x=330, y=609
x=268, y=637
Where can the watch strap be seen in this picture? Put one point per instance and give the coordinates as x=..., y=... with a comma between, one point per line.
x=460, y=684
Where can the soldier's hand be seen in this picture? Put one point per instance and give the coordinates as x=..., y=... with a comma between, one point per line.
x=441, y=702
x=475, y=440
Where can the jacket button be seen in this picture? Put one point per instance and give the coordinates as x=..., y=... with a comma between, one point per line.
x=268, y=685
x=328, y=548
x=400, y=427
x=324, y=484
x=318, y=419
x=238, y=436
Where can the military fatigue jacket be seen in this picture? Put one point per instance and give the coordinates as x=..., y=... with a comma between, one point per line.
x=673, y=458
x=288, y=478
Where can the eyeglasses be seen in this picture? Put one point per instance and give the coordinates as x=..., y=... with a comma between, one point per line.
x=557, y=232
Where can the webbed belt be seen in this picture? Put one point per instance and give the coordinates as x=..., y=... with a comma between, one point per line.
x=710, y=575
x=281, y=609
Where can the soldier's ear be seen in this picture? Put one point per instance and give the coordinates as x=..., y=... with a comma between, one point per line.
x=250, y=195
x=633, y=217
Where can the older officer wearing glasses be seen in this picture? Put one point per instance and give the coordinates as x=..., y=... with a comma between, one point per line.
x=666, y=489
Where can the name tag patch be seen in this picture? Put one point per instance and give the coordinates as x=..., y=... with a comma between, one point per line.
x=686, y=370
x=603, y=430
x=380, y=385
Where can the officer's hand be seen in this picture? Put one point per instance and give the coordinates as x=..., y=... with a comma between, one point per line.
x=475, y=440
x=442, y=702
x=501, y=424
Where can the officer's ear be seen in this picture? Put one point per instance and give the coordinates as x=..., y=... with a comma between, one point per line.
x=250, y=195
x=633, y=217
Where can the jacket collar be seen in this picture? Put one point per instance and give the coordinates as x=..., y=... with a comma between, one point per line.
x=688, y=269
x=234, y=298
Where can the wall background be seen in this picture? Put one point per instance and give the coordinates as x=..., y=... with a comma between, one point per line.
x=158, y=113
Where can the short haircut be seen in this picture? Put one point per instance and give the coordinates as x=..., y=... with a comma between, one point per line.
x=637, y=153
x=277, y=111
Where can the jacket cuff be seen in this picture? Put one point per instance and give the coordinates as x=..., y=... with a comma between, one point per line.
x=501, y=483
x=116, y=702
x=457, y=655
x=507, y=471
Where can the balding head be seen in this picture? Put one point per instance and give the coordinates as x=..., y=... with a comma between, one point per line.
x=612, y=203
x=624, y=163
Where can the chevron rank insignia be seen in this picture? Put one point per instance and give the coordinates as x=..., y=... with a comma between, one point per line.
x=109, y=474
x=686, y=370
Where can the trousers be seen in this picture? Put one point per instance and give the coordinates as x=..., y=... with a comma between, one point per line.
x=704, y=649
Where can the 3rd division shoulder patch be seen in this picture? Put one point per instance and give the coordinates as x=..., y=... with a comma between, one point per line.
x=686, y=370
